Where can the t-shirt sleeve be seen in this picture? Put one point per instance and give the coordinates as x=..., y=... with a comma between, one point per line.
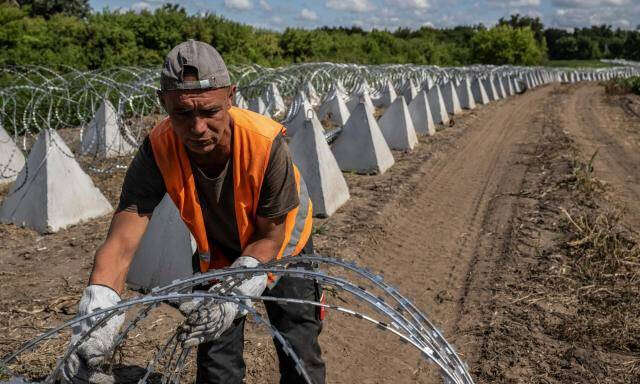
x=143, y=186
x=279, y=194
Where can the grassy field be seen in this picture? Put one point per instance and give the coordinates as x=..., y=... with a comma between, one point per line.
x=577, y=64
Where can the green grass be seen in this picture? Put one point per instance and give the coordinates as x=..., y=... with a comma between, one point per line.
x=619, y=86
x=577, y=64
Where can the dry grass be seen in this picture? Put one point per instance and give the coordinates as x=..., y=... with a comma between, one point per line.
x=567, y=300
x=598, y=278
x=604, y=278
x=582, y=179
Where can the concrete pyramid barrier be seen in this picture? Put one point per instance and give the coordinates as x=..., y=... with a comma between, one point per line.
x=490, y=88
x=11, y=158
x=436, y=105
x=52, y=191
x=532, y=80
x=311, y=94
x=360, y=147
x=358, y=97
x=508, y=84
x=275, y=104
x=465, y=96
x=319, y=169
x=500, y=87
x=426, y=85
x=516, y=85
x=496, y=86
x=165, y=251
x=527, y=82
x=103, y=138
x=304, y=111
x=387, y=96
x=397, y=126
x=410, y=91
x=334, y=109
x=239, y=101
x=420, y=113
x=479, y=93
x=450, y=97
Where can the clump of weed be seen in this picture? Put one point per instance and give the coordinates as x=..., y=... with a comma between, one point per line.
x=604, y=270
x=583, y=180
x=601, y=278
x=621, y=86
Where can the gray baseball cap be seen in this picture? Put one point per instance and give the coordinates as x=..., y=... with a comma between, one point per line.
x=203, y=58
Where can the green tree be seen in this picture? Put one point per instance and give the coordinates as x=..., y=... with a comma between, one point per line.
x=518, y=21
x=506, y=45
x=587, y=49
x=48, y=8
x=566, y=48
x=632, y=46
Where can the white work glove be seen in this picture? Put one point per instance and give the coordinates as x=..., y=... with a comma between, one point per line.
x=208, y=319
x=83, y=365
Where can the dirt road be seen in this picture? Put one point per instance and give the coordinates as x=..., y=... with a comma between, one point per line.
x=440, y=234
x=608, y=125
x=442, y=226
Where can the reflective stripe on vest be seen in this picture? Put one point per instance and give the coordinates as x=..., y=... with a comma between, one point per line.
x=252, y=139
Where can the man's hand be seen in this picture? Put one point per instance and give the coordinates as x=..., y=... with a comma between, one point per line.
x=83, y=365
x=208, y=319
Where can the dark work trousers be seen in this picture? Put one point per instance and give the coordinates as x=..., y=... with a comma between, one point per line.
x=221, y=361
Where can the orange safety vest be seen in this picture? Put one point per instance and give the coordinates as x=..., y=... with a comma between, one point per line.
x=253, y=135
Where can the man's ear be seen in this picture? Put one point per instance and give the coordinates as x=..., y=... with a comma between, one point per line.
x=232, y=92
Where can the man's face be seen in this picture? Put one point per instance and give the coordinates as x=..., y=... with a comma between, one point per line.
x=199, y=117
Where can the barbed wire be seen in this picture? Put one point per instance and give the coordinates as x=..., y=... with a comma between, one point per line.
x=395, y=314
x=36, y=98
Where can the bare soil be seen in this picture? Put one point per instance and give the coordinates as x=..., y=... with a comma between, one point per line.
x=471, y=225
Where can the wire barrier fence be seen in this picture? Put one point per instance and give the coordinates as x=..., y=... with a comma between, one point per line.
x=94, y=121
x=389, y=311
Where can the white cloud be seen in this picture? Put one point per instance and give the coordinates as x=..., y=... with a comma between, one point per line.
x=514, y=3
x=524, y=3
x=411, y=4
x=587, y=16
x=350, y=5
x=141, y=6
x=307, y=14
x=265, y=5
x=589, y=3
x=240, y=5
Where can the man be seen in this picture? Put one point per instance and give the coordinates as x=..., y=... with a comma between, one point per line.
x=230, y=174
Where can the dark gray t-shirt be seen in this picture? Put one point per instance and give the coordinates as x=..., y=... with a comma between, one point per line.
x=144, y=188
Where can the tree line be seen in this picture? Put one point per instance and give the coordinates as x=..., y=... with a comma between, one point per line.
x=66, y=33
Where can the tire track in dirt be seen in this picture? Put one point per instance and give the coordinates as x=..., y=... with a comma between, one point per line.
x=618, y=158
x=439, y=244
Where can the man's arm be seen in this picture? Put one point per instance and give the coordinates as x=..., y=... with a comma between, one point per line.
x=267, y=239
x=142, y=190
x=115, y=255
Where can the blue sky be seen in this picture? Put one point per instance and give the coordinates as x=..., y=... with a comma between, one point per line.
x=390, y=14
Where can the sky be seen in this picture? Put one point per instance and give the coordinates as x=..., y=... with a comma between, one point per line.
x=390, y=14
